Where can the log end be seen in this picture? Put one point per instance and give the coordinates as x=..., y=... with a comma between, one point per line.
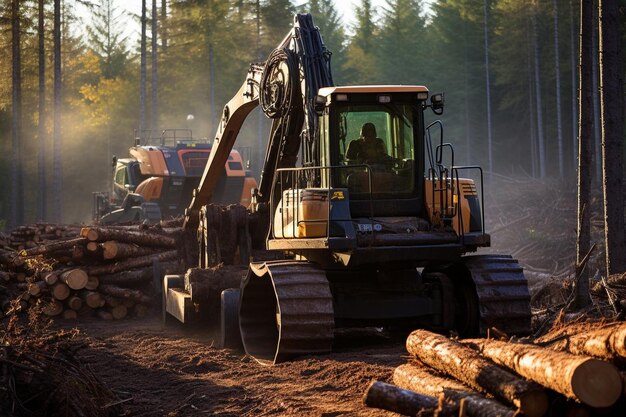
x=597, y=383
x=533, y=403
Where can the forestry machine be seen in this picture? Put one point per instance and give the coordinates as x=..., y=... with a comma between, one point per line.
x=368, y=228
x=158, y=179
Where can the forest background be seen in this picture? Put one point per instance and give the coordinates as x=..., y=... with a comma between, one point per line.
x=507, y=68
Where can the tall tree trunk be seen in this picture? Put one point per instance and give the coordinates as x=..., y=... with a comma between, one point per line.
x=164, y=25
x=541, y=149
x=41, y=122
x=557, y=81
x=154, y=118
x=57, y=180
x=142, y=73
x=486, y=4
x=597, y=134
x=612, y=102
x=17, y=191
x=573, y=65
x=585, y=137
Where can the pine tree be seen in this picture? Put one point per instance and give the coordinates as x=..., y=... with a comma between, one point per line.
x=360, y=65
x=106, y=38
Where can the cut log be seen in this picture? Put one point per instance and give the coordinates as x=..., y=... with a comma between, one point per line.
x=468, y=366
x=126, y=293
x=607, y=342
x=389, y=397
x=53, y=246
x=139, y=276
x=51, y=278
x=75, y=278
x=592, y=381
x=53, y=308
x=92, y=283
x=60, y=291
x=119, y=312
x=93, y=247
x=36, y=288
x=132, y=263
x=74, y=303
x=92, y=299
x=417, y=378
x=142, y=238
x=112, y=301
x=105, y=315
x=118, y=250
x=70, y=314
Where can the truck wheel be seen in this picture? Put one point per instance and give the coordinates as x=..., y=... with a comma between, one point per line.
x=230, y=336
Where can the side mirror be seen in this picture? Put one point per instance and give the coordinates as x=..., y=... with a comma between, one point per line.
x=436, y=103
x=320, y=104
x=129, y=187
x=114, y=161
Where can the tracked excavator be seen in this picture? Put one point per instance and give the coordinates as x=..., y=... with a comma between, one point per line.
x=368, y=228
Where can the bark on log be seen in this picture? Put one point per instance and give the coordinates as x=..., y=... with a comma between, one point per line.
x=138, y=276
x=592, y=381
x=53, y=308
x=74, y=303
x=60, y=291
x=75, y=278
x=132, y=263
x=112, y=301
x=92, y=299
x=417, y=378
x=607, y=342
x=53, y=246
x=143, y=238
x=389, y=397
x=468, y=366
x=125, y=293
x=117, y=250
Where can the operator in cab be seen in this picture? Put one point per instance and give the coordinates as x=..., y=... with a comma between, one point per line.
x=368, y=147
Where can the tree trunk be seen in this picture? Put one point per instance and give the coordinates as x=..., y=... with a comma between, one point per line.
x=585, y=137
x=401, y=401
x=143, y=238
x=574, y=100
x=17, y=190
x=416, y=378
x=142, y=73
x=92, y=298
x=57, y=184
x=605, y=343
x=70, y=314
x=164, y=25
x=612, y=102
x=131, y=263
x=75, y=303
x=53, y=308
x=154, y=91
x=125, y=293
x=137, y=276
x=557, y=82
x=119, y=312
x=488, y=88
x=541, y=148
x=479, y=373
x=597, y=134
x=92, y=283
x=562, y=372
x=41, y=120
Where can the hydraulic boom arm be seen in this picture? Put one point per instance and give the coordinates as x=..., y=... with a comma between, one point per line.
x=286, y=86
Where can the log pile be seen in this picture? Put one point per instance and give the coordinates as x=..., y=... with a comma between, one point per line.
x=580, y=372
x=107, y=272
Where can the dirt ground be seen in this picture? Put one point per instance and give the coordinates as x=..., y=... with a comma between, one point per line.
x=171, y=371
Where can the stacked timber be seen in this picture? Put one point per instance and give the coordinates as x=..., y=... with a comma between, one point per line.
x=107, y=272
x=565, y=375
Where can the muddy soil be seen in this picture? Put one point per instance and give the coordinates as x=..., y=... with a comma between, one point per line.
x=171, y=371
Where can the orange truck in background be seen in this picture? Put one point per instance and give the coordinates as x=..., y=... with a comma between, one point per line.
x=157, y=180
